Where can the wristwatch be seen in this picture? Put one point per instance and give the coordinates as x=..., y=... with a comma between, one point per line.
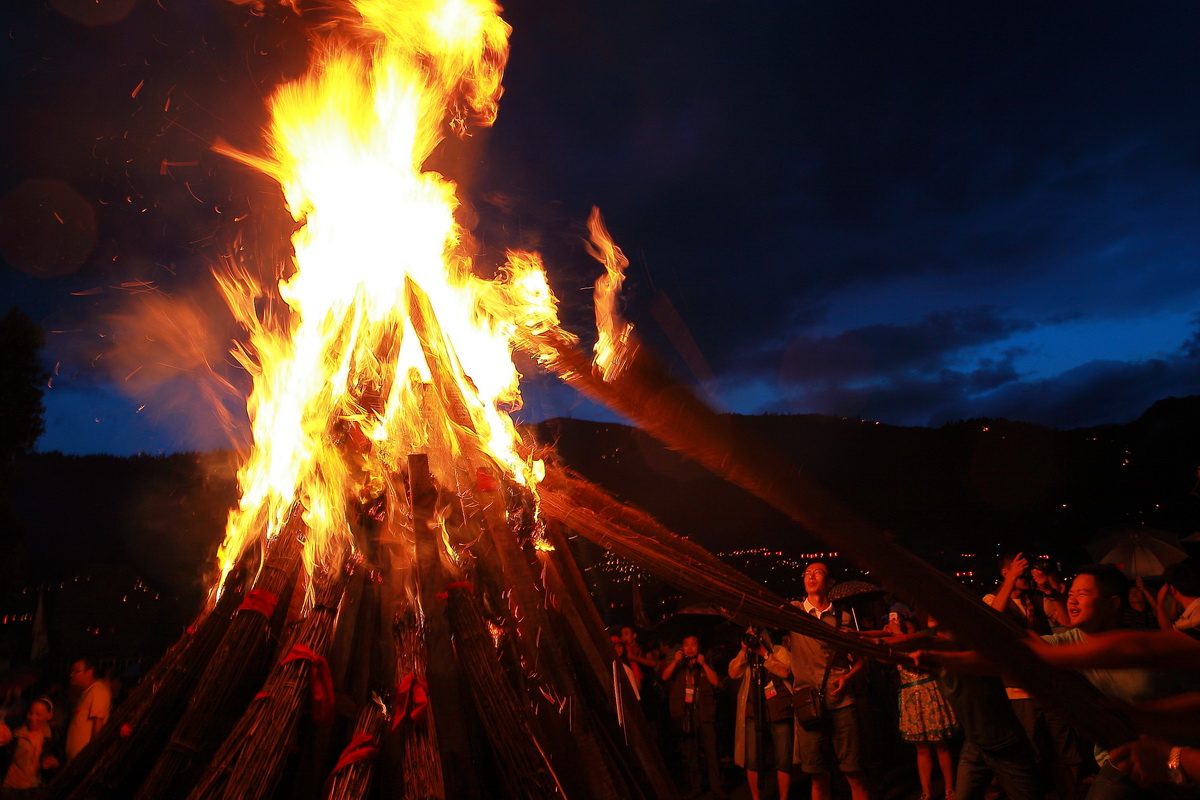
x=1178, y=776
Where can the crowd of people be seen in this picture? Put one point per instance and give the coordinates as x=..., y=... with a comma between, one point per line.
x=42, y=732
x=778, y=708
x=785, y=708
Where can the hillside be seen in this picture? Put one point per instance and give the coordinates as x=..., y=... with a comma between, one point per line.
x=133, y=540
x=976, y=484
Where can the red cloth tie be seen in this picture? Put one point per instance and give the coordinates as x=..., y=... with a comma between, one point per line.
x=361, y=747
x=262, y=601
x=412, y=700
x=485, y=481
x=464, y=585
x=319, y=679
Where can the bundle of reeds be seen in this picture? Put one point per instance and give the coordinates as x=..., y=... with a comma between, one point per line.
x=674, y=560
x=411, y=733
x=234, y=672
x=351, y=776
x=121, y=754
x=524, y=767
x=250, y=762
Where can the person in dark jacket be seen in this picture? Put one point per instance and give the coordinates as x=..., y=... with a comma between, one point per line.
x=693, y=708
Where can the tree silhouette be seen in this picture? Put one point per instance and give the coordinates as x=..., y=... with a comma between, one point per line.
x=21, y=381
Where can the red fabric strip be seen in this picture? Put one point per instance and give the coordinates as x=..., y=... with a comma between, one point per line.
x=319, y=680
x=412, y=700
x=361, y=747
x=262, y=601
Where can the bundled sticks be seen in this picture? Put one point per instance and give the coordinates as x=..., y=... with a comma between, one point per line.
x=411, y=735
x=588, y=510
x=642, y=390
x=122, y=752
x=234, y=672
x=351, y=776
x=250, y=762
x=524, y=767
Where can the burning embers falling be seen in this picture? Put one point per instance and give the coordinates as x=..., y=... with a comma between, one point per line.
x=391, y=344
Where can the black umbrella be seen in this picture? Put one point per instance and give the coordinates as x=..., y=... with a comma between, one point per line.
x=855, y=591
x=852, y=592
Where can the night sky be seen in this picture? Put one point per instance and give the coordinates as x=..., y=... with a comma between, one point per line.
x=905, y=212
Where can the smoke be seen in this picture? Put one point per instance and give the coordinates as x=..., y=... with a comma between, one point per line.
x=171, y=355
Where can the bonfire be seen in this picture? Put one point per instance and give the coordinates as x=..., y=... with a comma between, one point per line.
x=398, y=613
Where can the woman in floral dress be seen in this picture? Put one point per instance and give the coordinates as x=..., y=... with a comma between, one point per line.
x=926, y=719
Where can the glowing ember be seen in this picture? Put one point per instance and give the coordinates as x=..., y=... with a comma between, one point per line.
x=390, y=345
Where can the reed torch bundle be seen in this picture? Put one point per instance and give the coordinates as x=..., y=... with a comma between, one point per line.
x=235, y=671
x=250, y=762
x=123, y=751
x=351, y=776
x=523, y=765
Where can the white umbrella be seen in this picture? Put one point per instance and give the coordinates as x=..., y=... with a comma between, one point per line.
x=1140, y=553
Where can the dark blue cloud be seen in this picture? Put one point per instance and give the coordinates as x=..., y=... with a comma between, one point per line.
x=1094, y=393
x=878, y=352
x=826, y=195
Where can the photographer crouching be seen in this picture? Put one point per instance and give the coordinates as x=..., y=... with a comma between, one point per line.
x=693, y=710
x=764, y=709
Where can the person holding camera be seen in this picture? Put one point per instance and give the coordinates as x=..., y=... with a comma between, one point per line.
x=834, y=738
x=764, y=709
x=693, y=708
x=1029, y=598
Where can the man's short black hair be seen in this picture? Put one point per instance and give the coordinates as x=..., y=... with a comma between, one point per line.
x=1184, y=577
x=1109, y=580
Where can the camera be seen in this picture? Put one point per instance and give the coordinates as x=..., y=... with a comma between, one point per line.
x=752, y=638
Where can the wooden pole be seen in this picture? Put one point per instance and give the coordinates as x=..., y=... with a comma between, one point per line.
x=446, y=701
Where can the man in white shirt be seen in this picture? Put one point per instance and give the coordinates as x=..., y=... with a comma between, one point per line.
x=838, y=731
x=92, y=708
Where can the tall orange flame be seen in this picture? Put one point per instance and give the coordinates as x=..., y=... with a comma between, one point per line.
x=390, y=344
x=612, y=331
